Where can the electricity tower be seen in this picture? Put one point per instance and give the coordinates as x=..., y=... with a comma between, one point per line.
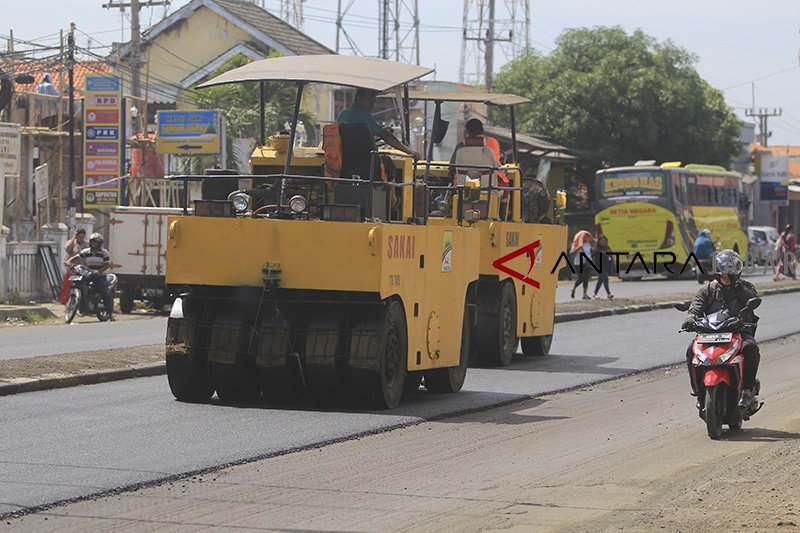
x=292, y=12
x=398, y=29
x=486, y=23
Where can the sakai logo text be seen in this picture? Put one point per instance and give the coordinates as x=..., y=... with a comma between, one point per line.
x=401, y=246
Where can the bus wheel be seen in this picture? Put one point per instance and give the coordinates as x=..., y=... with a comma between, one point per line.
x=536, y=346
x=497, y=332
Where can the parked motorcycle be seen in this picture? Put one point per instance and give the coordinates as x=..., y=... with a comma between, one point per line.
x=83, y=298
x=717, y=368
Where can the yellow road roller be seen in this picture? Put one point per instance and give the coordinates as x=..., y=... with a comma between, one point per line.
x=516, y=292
x=293, y=282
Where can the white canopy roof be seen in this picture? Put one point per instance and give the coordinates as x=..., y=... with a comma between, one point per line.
x=350, y=71
x=498, y=99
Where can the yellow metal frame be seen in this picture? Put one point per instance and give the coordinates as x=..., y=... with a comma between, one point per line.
x=428, y=268
x=535, y=306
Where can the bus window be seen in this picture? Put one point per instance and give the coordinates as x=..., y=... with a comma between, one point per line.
x=628, y=184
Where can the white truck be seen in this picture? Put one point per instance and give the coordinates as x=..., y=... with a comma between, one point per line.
x=137, y=245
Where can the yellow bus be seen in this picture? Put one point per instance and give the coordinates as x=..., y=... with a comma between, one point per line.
x=653, y=213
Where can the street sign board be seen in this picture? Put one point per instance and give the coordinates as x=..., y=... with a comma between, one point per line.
x=102, y=149
x=188, y=132
x=774, y=187
x=9, y=148
x=41, y=179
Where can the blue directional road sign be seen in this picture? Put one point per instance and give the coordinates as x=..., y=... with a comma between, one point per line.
x=188, y=132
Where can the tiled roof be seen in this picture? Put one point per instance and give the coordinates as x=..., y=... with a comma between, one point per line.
x=289, y=36
x=258, y=22
x=38, y=69
x=776, y=150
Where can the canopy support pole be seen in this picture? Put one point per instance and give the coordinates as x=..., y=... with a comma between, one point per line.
x=406, y=115
x=514, y=137
x=288, y=165
x=436, y=115
x=262, y=89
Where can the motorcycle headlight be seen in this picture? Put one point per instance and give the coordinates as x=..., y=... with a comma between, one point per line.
x=727, y=354
x=240, y=202
x=297, y=204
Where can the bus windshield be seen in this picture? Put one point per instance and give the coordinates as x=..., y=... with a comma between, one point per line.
x=632, y=183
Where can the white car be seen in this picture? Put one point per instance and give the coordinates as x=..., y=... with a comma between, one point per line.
x=762, y=241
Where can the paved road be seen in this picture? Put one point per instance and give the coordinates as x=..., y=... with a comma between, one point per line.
x=49, y=340
x=646, y=287
x=70, y=443
x=629, y=454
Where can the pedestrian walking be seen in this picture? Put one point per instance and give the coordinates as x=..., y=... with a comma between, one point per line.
x=787, y=252
x=582, y=244
x=602, y=258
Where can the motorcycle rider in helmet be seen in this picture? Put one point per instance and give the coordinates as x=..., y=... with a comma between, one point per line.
x=96, y=259
x=703, y=245
x=731, y=293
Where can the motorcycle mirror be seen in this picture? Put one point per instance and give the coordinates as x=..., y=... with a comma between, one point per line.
x=682, y=306
x=753, y=303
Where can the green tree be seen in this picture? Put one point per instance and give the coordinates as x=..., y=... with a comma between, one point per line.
x=625, y=97
x=239, y=104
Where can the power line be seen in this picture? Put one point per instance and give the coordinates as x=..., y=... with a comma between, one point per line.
x=762, y=77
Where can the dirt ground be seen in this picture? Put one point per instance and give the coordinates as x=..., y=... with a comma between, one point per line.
x=51, y=366
x=629, y=454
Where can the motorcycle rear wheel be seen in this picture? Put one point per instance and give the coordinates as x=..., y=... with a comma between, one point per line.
x=73, y=304
x=715, y=408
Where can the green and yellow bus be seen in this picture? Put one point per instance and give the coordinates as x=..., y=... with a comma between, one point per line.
x=660, y=209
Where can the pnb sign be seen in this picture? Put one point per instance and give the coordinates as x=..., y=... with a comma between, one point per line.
x=188, y=132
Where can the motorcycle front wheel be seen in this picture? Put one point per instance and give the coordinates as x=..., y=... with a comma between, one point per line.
x=715, y=410
x=73, y=304
x=102, y=313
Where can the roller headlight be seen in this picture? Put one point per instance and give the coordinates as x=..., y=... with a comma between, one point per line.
x=297, y=204
x=240, y=202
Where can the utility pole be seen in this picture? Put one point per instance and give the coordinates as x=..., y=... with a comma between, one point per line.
x=71, y=110
x=763, y=115
x=483, y=28
x=489, y=55
x=136, y=36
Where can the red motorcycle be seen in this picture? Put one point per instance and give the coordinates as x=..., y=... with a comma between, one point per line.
x=717, y=368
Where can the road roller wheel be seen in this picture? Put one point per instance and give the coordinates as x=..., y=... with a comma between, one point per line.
x=452, y=379
x=235, y=385
x=188, y=379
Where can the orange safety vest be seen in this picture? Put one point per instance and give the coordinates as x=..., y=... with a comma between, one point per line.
x=332, y=147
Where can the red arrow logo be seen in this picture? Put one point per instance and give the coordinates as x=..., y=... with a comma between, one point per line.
x=530, y=249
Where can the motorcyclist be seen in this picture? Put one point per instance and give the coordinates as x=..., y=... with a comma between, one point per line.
x=703, y=246
x=97, y=260
x=728, y=292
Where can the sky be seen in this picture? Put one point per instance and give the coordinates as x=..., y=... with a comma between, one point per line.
x=749, y=50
